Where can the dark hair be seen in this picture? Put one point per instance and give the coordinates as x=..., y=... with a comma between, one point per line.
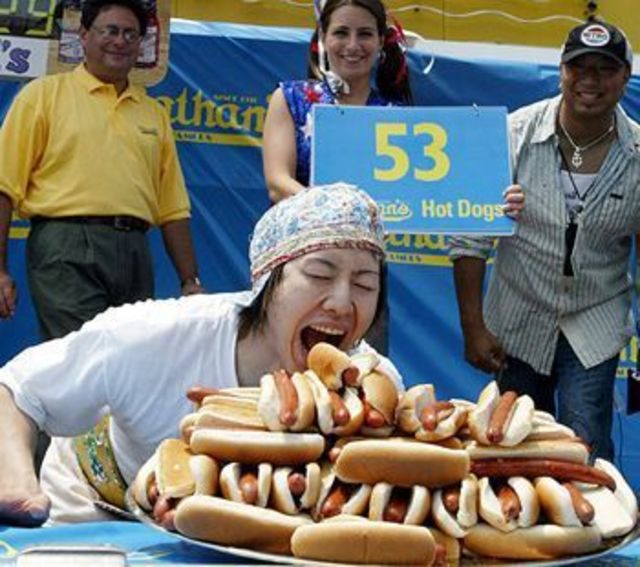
x=392, y=75
x=253, y=318
x=92, y=8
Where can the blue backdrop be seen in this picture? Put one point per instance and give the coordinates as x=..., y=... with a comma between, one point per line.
x=217, y=88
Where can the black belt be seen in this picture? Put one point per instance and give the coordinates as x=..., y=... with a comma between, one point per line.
x=121, y=222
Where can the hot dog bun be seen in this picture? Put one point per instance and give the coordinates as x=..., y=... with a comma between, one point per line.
x=416, y=499
x=225, y=522
x=205, y=472
x=546, y=427
x=144, y=478
x=368, y=542
x=225, y=411
x=545, y=449
x=328, y=363
x=610, y=515
x=251, y=447
x=173, y=472
x=282, y=498
x=544, y=541
x=269, y=404
x=519, y=421
x=556, y=503
x=371, y=461
x=623, y=491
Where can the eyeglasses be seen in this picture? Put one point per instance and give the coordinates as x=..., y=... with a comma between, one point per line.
x=112, y=33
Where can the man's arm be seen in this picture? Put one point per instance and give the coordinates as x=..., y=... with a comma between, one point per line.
x=8, y=291
x=481, y=347
x=177, y=241
x=21, y=500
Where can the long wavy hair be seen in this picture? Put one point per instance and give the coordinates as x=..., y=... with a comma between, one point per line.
x=392, y=73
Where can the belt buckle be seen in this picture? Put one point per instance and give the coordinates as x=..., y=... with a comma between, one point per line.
x=120, y=223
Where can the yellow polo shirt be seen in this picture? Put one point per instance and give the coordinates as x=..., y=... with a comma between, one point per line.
x=70, y=146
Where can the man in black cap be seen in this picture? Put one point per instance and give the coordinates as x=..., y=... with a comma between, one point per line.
x=556, y=311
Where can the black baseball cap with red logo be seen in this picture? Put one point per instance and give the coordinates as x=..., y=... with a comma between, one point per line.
x=598, y=37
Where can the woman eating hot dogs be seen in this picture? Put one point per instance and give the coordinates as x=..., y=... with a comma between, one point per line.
x=316, y=265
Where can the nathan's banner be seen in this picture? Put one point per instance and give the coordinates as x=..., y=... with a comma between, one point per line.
x=431, y=170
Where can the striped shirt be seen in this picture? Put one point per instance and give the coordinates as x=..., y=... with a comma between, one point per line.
x=529, y=301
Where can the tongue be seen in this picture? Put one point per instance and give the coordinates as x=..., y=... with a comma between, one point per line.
x=311, y=337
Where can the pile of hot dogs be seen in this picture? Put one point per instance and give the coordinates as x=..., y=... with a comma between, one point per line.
x=335, y=464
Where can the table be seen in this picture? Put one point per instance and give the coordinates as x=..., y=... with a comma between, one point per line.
x=147, y=546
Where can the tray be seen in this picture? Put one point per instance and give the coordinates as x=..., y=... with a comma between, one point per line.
x=613, y=545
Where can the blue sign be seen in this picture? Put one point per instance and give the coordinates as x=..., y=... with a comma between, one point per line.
x=431, y=170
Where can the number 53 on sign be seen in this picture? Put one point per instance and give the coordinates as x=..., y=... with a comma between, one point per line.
x=431, y=169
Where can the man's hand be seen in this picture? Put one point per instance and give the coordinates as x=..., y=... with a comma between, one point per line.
x=513, y=201
x=22, y=503
x=191, y=286
x=483, y=351
x=8, y=296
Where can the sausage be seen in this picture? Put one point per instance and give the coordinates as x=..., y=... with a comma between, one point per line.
x=297, y=484
x=168, y=520
x=583, y=508
x=196, y=394
x=509, y=502
x=440, y=557
x=451, y=499
x=396, y=509
x=372, y=417
x=288, y=397
x=153, y=493
x=333, y=504
x=249, y=487
x=432, y=414
x=162, y=507
x=495, y=430
x=531, y=468
x=339, y=410
x=350, y=376
x=333, y=454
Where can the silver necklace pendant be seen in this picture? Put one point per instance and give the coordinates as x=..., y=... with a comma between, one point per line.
x=576, y=158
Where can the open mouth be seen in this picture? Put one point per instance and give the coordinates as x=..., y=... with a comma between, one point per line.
x=313, y=335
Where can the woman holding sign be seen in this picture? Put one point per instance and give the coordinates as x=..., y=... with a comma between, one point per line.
x=352, y=43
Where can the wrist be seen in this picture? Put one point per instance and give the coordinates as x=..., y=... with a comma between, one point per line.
x=191, y=280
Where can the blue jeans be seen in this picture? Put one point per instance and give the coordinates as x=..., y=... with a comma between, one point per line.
x=584, y=396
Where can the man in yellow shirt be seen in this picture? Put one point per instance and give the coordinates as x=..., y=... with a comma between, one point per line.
x=90, y=159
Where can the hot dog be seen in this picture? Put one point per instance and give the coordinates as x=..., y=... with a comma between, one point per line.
x=296, y=490
x=246, y=483
x=422, y=415
x=501, y=419
x=454, y=509
x=338, y=412
x=286, y=401
x=225, y=522
x=333, y=367
x=399, y=505
x=370, y=461
x=368, y=542
x=380, y=399
x=337, y=498
x=169, y=475
x=509, y=504
x=255, y=447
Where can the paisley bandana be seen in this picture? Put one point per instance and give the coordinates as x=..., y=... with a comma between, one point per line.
x=327, y=216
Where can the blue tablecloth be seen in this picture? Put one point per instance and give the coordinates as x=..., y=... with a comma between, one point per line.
x=147, y=546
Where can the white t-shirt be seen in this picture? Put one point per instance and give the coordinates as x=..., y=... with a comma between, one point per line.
x=135, y=362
